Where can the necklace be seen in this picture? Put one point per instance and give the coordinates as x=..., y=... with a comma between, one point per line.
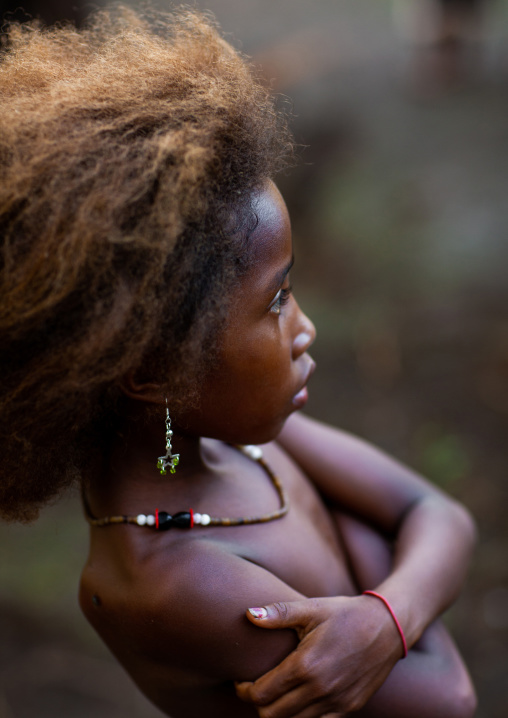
x=162, y=520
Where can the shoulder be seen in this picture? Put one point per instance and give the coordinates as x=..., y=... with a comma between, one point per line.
x=203, y=603
x=185, y=606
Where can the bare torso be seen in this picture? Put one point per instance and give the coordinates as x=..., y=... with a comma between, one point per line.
x=152, y=596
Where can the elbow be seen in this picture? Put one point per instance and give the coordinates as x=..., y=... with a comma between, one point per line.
x=470, y=706
x=464, y=704
x=461, y=700
x=457, y=516
x=467, y=523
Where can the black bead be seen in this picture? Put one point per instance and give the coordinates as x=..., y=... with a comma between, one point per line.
x=165, y=521
x=182, y=520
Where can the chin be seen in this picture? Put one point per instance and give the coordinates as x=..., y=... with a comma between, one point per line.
x=261, y=430
x=267, y=433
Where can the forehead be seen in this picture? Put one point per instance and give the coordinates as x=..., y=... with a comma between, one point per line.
x=272, y=215
x=270, y=245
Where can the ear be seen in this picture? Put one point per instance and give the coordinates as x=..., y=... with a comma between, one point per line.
x=139, y=390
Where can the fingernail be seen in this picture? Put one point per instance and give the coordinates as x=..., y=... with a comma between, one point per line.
x=258, y=612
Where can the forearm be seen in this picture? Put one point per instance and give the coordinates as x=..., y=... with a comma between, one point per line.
x=349, y=648
x=432, y=682
x=433, y=534
x=432, y=551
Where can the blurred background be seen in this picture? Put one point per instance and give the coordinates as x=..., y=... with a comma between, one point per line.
x=400, y=222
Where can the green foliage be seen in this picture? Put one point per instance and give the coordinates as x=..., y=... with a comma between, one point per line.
x=441, y=455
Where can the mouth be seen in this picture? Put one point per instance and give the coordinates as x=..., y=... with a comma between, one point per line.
x=301, y=397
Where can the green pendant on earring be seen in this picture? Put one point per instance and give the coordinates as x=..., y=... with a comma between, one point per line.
x=170, y=460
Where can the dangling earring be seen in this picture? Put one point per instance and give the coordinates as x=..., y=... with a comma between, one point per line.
x=169, y=460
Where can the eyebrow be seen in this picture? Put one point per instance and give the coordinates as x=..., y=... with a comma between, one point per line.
x=280, y=277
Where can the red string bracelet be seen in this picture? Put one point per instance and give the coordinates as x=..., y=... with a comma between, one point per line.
x=392, y=614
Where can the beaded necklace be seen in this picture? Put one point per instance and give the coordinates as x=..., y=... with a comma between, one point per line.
x=162, y=520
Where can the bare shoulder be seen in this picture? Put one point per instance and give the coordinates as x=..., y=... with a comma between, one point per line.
x=208, y=592
x=183, y=609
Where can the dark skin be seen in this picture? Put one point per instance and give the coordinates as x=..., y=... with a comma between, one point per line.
x=172, y=606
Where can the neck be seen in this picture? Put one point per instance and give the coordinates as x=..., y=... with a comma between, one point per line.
x=142, y=441
x=130, y=476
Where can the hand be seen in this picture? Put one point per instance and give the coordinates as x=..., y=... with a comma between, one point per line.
x=347, y=648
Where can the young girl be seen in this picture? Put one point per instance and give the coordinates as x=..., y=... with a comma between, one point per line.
x=148, y=334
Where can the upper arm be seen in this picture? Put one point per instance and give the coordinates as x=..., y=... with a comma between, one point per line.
x=354, y=474
x=201, y=610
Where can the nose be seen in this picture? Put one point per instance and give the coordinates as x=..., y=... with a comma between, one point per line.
x=305, y=334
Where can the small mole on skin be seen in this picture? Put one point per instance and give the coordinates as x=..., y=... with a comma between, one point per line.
x=96, y=600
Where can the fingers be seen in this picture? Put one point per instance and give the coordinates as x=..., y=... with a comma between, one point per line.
x=272, y=685
x=243, y=690
x=294, y=704
x=314, y=711
x=297, y=692
x=290, y=614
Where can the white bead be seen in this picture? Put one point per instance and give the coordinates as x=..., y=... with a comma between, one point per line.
x=141, y=520
x=255, y=452
x=205, y=519
x=197, y=518
x=150, y=520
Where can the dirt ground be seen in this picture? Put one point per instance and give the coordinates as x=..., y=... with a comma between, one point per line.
x=400, y=223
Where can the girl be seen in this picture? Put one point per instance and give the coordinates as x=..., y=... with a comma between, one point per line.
x=145, y=293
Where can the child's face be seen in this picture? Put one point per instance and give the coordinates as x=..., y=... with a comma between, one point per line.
x=263, y=367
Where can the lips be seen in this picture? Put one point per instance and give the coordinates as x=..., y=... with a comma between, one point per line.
x=301, y=397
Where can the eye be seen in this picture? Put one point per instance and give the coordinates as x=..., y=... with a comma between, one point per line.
x=281, y=298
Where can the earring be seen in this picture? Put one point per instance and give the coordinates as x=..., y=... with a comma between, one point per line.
x=169, y=460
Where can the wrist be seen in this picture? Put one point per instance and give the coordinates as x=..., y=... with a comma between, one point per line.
x=393, y=616
x=411, y=609
x=378, y=632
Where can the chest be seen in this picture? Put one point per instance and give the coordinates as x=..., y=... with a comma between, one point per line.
x=303, y=548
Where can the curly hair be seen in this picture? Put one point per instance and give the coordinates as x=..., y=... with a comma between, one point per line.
x=125, y=149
